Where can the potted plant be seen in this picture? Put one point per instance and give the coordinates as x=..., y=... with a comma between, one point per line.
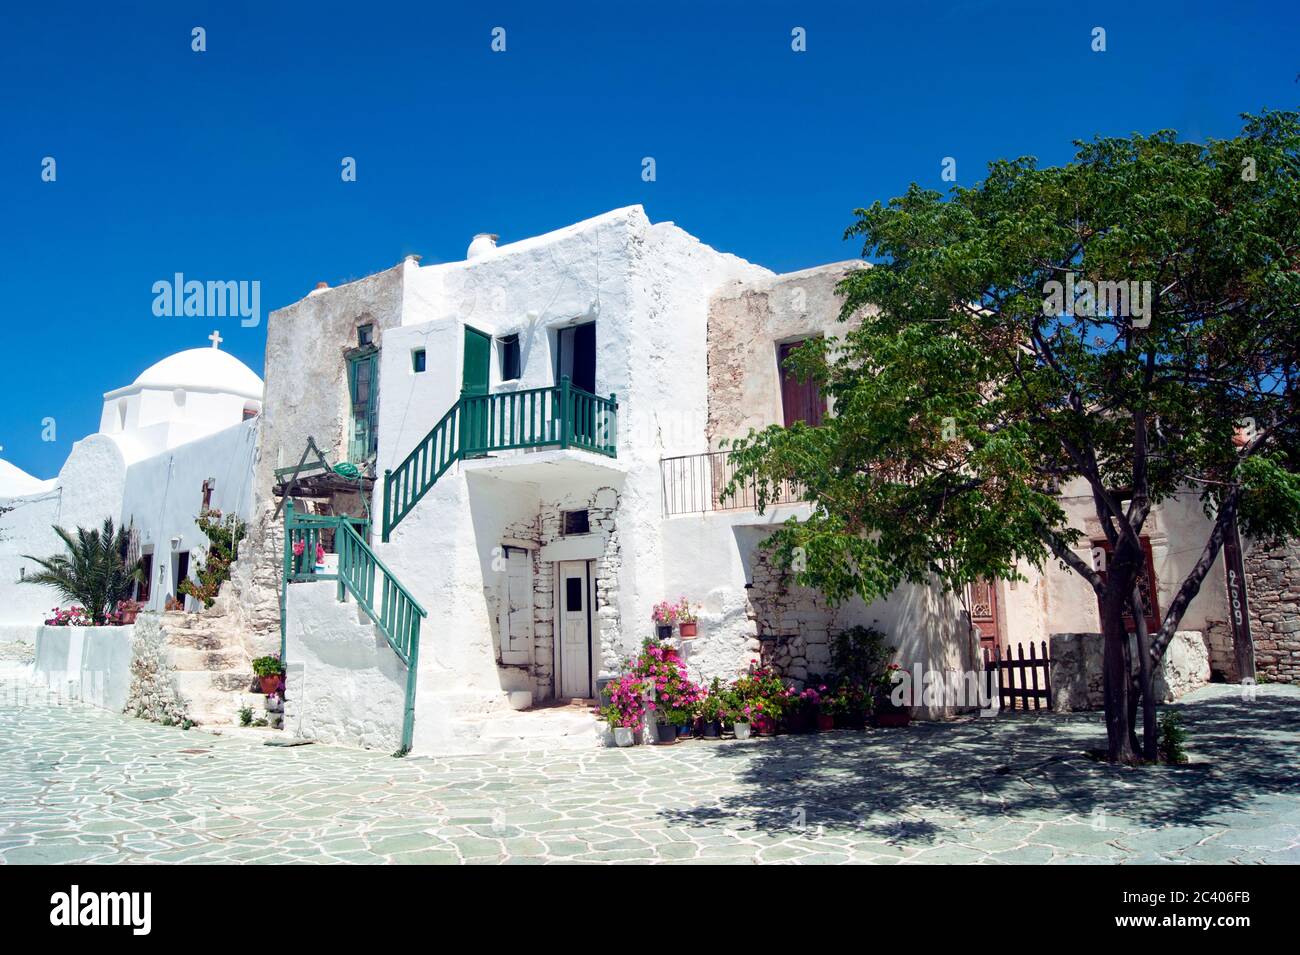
x=625, y=711
x=889, y=712
x=741, y=727
x=824, y=711
x=660, y=668
x=665, y=729
x=664, y=616
x=713, y=708
x=682, y=719
x=802, y=717
x=299, y=548
x=847, y=706
x=127, y=611
x=269, y=672
x=686, y=619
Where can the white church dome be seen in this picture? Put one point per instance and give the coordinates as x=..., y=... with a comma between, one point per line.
x=202, y=369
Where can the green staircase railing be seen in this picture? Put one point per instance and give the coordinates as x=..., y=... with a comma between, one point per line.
x=562, y=416
x=360, y=572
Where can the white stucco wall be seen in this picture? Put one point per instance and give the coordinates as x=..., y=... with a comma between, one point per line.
x=343, y=683
x=163, y=494
x=89, y=488
x=91, y=664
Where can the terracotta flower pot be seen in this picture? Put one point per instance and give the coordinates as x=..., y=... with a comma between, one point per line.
x=825, y=722
x=270, y=684
x=686, y=629
x=892, y=718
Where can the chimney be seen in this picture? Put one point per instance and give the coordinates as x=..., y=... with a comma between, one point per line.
x=484, y=244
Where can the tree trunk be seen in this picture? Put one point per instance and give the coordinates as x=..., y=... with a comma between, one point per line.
x=1115, y=679
x=1146, y=673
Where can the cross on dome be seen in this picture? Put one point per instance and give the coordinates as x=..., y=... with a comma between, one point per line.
x=216, y=339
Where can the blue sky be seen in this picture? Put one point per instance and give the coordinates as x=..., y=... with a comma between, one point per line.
x=225, y=164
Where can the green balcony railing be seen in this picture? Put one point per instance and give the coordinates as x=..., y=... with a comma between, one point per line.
x=361, y=573
x=560, y=416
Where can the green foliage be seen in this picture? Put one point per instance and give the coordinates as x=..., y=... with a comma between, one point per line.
x=224, y=534
x=1172, y=737
x=713, y=705
x=859, y=655
x=268, y=667
x=92, y=571
x=245, y=716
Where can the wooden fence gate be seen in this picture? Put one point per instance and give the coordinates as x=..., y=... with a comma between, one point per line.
x=1033, y=673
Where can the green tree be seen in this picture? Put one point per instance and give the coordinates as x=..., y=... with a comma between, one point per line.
x=93, y=571
x=973, y=391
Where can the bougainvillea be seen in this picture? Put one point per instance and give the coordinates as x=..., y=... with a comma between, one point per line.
x=627, y=703
x=661, y=666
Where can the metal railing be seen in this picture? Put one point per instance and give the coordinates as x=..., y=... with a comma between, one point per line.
x=560, y=416
x=696, y=483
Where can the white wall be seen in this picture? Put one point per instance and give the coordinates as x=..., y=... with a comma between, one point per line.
x=344, y=683
x=89, y=489
x=91, y=664
x=163, y=495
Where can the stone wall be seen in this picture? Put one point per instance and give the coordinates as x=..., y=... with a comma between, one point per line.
x=1273, y=591
x=545, y=529
x=793, y=623
x=1076, y=669
x=747, y=321
x=306, y=396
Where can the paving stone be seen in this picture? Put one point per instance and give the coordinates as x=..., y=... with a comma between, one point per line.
x=81, y=785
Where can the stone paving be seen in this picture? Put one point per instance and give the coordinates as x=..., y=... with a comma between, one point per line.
x=82, y=785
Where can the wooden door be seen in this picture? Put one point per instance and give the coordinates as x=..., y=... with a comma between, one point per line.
x=475, y=415
x=476, y=363
x=1147, y=584
x=516, y=619
x=983, y=597
x=575, y=629
x=800, y=400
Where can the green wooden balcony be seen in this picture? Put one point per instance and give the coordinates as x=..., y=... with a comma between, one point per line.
x=558, y=416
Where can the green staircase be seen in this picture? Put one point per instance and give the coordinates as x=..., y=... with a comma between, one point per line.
x=559, y=416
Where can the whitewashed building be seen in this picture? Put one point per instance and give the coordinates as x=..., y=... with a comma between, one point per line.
x=529, y=426
x=181, y=436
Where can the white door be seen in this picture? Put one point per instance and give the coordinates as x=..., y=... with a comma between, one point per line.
x=575, y=629
x=516, y=620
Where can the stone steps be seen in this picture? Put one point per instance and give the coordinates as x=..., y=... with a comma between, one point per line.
x=215, y=657
x=211, y=669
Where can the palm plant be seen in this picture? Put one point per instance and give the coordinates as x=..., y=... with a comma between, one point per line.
x=93, y=572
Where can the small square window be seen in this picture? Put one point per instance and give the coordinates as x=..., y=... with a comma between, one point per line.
x=418, y=360
x=509, y=357
x=576, y=522
x=365, y=334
